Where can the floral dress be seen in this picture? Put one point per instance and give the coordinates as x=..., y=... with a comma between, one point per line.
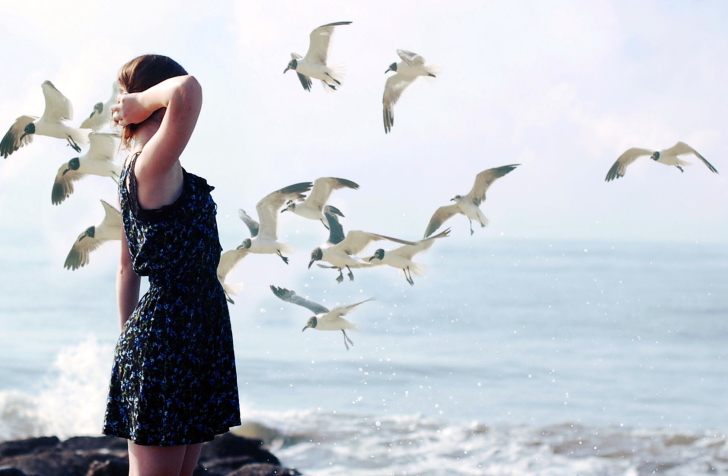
x=173, y=381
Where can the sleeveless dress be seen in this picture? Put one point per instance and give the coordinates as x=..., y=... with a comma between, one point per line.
x=174, y=380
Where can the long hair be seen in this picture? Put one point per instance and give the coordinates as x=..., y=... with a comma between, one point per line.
x=142, y=73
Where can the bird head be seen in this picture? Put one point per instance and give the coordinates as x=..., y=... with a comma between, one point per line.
x=316, y=255
x=29, y=130
x=456, y=198
x=246, y=244
x=90, y=232
x=293, y=64
x=312, y=322
x=290, y=206
x=73, y=164
x=392, y=67
x=655, y=156
x=98, y=109
x=379, y=254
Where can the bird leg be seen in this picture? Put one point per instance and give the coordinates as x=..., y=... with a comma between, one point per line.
x=73, y=144
x=471, y=227
x=409, y=277
x=681, y=169
x=340, y=278
x=346, y=338
x=351, y=275
x=285, y=260
x=327, y=74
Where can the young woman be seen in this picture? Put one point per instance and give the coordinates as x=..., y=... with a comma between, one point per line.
x=173, y=384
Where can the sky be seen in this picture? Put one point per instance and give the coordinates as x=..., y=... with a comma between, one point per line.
x=562, y=88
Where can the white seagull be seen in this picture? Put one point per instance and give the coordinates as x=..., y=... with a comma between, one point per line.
x=101, y=115
x=99, y=160
x=313, y=65
x=264, y=236
x=324, y=320
x=228, y=261
x=94, y=236
x=52, y=123
x=469, y=205
x=666, y=156
x=401, y=257
x=313, y=206
x=407, y=71
x=340, y=251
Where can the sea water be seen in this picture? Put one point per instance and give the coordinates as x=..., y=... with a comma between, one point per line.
x=507, y=357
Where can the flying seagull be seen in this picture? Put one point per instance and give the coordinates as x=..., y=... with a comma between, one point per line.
x=666, y=156
x=340, y=250
x=101, y=115
x=52, y=123
x=324, y=320
x=469, y=205
x=313, y=65
x=313, y=206
x=401, y=257
x=94, y=236
x=407, y=71
x=264, y=235
x=99, y=160
x=228, y=261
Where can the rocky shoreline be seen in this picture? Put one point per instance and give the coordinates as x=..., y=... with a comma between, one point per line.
x=227, y=455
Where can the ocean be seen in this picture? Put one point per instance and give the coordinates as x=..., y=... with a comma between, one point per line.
x=509, y=357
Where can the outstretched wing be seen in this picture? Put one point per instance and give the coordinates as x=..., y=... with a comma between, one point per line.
x=339, y=311
x=620, y=165
x=412, y=59
x=336, y=231
x=291, y=296
x=356, y=241
x=57, y=107
x=249, y=222
x=440, y=216
x=393, y=89
x=409, y=251
x=269, y=207
x=11, y=141
x=63, y=184
x=484, y=179
x=322, y=188
x=305, y=81
x=320, y=42
x=683, y=148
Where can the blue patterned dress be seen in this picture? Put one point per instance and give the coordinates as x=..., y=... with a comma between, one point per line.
x=173, y=380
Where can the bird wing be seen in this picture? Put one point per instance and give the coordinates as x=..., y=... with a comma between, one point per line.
x=336, y=231
x=102, y=146
x=63, y=184
x=249, y=222
x=11, y=141
x=112, y=216
x=101, y=115
x=269, y=207
x=320, y=42
x=440, y=216
x=228, y=261
x=322, y=188
x=57, y=107
x=85, y=244
x=339, y=311
x=620, y=165
x=305, y=81
x=393, y=89
x=356, y=241
x=291, y=296
x=682, y=148
x=484, y=179
x=412, y=59
x=409, y=251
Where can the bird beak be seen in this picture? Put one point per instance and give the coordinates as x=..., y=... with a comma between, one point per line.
x=239, y=247
x=430, y=74
x=452, y=199
x=22, y=137
x=64, y=172
x=372, y=257
x=310, y=263
x=307, y=326
x=284, y=210
x=388, y=70
x=285, y=70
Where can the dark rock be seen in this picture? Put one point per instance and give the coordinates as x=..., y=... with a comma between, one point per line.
x=230, y=445
x=11, y=472
x=22, y=447
x=222, y=466
x=114, y=467
x=87, y=443
x=263, y=469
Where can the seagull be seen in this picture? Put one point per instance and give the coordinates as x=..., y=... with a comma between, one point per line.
x=340, y=250
x=313, y=65
x=313, y=206
x=52, y=123
x=469, y=205
x=407, y=71
x=229, y=261
x=402, y=257
x=324, y=320
x=666, y=156
x=94, y=236
x=99, y=160
x=264, y=236
x=101, y=115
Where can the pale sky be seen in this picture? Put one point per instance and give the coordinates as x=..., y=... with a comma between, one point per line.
x=562, y=88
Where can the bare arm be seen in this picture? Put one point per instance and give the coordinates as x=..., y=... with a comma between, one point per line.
x=127, y=285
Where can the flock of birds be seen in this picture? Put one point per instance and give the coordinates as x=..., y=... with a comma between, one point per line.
x=342, y=251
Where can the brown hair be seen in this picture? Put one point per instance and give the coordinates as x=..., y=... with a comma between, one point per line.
x=142, y=73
